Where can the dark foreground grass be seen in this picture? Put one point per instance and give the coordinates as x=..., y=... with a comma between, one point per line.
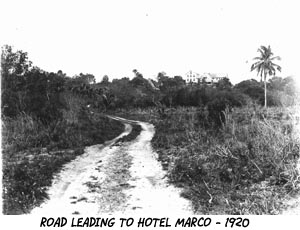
x=29, y=164
x=248, y=165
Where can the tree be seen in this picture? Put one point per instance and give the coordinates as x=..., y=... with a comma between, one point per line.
x=138, y=80
x=276, y=83
x=224, y=84
x=14, y=62
x=252, y=88
x=264, y=65
x=87, y=78
x=161, y=75
x=137, y=73
x=14, y=65
x=105, y=79
x=169, y=87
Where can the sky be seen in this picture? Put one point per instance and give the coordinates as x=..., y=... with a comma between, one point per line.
x=114, y=37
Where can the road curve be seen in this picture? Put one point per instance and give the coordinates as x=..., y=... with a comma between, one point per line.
x=124, y=178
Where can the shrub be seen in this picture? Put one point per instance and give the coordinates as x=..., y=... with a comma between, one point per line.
x=23, y=132
x=222, y=100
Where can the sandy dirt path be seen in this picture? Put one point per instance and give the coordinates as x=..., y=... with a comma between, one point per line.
x=122, y=178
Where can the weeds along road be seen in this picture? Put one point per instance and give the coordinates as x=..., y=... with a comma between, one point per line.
x=115, y=178
x=294, y=204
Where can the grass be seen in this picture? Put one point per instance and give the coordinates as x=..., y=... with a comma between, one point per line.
x=33, y=152
x=27, y=176
x=248, y=165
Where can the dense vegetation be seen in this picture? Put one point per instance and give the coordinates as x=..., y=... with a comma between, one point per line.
x=246, y=166
x=47, y=120
x=215, y=140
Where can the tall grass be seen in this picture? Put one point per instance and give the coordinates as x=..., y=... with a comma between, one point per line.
x=34, y=151
x=245, y=166
x=23, y=132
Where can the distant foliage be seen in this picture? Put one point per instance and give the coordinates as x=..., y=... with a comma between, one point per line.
x=253, y=89
x=41, y=94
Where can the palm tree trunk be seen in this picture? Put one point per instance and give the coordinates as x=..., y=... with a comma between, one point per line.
x=265, y=90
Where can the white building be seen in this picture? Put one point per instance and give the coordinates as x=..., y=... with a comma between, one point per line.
x=192, y=77
x=209, y=78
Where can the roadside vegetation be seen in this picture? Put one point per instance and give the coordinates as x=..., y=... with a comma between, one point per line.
x=246, y=166
x=249, y=164
x=216, y=141
x=47, y=120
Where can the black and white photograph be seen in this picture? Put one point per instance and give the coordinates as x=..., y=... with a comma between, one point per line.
x=150, y=109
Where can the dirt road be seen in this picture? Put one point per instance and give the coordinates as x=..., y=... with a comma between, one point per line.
x=115, y=179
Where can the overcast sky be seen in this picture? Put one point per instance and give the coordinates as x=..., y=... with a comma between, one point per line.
x=115, y=37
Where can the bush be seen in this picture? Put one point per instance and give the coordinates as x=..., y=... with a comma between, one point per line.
x=222, y=100
x=23, y=132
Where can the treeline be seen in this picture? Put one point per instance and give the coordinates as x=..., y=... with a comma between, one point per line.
x=211, y=98
x=30, y=90
x=173, y=91
x=51, y=97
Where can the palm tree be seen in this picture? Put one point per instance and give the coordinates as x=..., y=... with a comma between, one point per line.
x=265, y=66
